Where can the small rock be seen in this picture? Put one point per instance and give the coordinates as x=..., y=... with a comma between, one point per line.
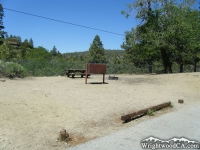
x=181, y=101
x=63, y=135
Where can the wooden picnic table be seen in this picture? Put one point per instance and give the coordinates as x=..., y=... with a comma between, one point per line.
x=73, y=72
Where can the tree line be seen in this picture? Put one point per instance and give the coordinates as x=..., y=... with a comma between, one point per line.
x=167, y=36
x=169, y=33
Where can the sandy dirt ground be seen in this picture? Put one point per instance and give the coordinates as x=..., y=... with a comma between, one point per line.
x=33, y=110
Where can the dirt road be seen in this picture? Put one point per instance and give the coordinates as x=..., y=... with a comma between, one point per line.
x=33, y=110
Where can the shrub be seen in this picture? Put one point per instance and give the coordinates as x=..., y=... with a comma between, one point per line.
x=171, y=105
x=150, y=112
x=11, y=69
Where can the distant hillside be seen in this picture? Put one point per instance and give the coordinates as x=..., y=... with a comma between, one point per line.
x=109, y=53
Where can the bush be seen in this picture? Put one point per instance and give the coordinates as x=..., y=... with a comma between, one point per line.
x=150, y=112
x=11, y=69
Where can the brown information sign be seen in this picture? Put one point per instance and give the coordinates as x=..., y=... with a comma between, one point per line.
x=97, y=68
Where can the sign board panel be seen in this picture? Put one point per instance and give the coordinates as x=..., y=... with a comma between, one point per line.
x=96, y=68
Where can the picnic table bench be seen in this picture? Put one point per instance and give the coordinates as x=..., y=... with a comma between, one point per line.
x=73, y=72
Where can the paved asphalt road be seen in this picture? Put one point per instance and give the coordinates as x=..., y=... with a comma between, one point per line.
x=183, y=123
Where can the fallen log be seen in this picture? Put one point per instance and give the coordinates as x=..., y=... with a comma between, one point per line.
x=130, y=116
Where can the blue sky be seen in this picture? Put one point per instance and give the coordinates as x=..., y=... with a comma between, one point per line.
x=100, y=14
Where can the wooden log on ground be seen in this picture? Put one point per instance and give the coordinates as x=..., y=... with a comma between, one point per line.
x=128, y=117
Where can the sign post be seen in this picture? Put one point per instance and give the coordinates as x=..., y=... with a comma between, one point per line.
x=95, y=69
x=86, y=73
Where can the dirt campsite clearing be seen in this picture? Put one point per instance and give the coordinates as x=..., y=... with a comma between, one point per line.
x=33, y=110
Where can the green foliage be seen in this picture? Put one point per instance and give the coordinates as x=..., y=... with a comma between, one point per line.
x=7, y=52
x=110, y=54
x=183, y=35
x=26, y=44
x=19, y=39
x=6, y=35
x=84, y=56
x=133, y=50
x=59, y=67
x=35, y=68
x=11, y=69
x=116, y=59
x=31, y=43
x=96, y=51
x=54, y=51
x=171, y=105
x=167, y=38
x=150, y=112
x=38, y=54
x=169, y=32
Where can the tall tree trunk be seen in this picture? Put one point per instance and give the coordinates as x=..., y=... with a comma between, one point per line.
x=170, y=67
x=150, y=67
x=166, y=61
x=181, y=67
x=149, y=5
x=195, y=61
x=163, y=53
x=195, y=64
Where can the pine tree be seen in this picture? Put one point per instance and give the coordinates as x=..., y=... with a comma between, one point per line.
x=115, y=59
x=26, y=44
x=25, y=41
x=96, y=51
x=19, y=39
x=6, y=36
x=31, y=42
x=54, y=51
